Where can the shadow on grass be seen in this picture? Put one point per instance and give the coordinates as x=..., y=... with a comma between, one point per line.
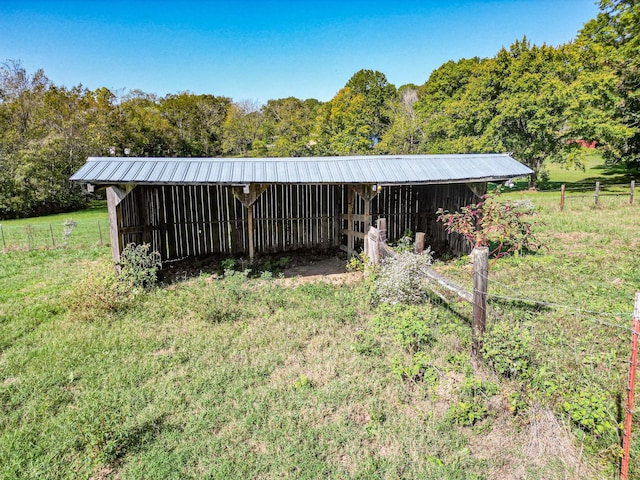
x=441, y=302
x=607, y=175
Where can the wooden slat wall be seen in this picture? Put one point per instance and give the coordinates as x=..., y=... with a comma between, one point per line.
x=195, y=220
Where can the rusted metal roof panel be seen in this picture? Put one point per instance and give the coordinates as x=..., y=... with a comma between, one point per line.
x=380, y=169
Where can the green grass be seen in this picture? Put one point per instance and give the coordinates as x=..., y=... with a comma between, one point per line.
x=233, y=377
x=92, y=228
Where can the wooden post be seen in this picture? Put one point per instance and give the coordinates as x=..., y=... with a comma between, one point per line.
x=247, y=195
x=562, y=198
x=381, y=224
x=250, y=232
x=628, y=420
x=419, y=242
x=373, y=240
x=100, y=232
x=367, y=222
x=114, y=223
x=480, y=281
x=350, y=239
x=53, y=240
x=597, y=192
x=633, y=188
x=4, y=243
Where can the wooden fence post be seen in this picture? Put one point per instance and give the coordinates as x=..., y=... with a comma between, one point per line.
x=100, y=232
x=4, y=243
x=562, y=198
x=480, y=281
x=633, y=189
x=53, y=241
x=597, y=192
x=381, y=224
x=419, y=242
x=628, y=418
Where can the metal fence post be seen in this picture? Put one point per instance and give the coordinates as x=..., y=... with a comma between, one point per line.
x=628, y=418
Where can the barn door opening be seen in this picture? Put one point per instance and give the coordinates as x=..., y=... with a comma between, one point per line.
x=356, y=220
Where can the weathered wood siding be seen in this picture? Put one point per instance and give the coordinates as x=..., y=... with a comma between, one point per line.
x=413, y=207
x=196, y=220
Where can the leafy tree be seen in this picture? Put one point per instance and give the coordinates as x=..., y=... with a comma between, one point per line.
x=343, y=125
x=241, y=129
x=196, y=123
x=404, y=133
x=141, y=127
x=287, y=126
x=377, y=92
x=455, y=105
x=532, y=108
x=610, y=48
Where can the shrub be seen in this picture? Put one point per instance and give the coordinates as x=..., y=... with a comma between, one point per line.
x=490, y=221
x=400, y=278
x=139, y=266
x=508, y=350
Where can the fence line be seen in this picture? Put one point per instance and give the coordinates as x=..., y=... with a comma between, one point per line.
x=32, y=236
x=598, y=194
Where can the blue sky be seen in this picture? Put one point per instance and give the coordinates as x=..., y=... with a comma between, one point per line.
x=261, y=50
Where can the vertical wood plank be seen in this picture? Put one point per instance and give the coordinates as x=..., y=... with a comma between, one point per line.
x=114, y=224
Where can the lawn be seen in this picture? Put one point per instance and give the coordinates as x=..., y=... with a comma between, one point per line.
x=229, y=376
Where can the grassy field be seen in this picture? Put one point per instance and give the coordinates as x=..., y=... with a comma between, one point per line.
x=218, y=376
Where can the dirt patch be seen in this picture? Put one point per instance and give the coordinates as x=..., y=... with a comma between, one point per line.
x=542, y=445
x=329, y=270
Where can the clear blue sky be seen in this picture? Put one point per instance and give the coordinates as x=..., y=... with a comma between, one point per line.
x=261, y=50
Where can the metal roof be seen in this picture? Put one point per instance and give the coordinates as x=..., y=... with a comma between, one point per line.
x=379, y=169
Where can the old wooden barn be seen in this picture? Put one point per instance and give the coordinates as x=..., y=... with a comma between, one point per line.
x=192, y=207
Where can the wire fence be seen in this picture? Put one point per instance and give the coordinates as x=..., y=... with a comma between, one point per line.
x=600, y=191
x=32, y=236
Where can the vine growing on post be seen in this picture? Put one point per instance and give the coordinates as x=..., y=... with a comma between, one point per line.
x=503, y=226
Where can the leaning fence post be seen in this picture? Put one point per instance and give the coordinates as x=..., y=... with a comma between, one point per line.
x=562, y=198
x=480, y=281
x=633, y=188
x=4, y=243
x=628, y=418
x=53, y=240
x=597, y=192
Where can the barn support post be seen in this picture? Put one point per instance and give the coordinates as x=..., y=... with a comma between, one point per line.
x=350, y=241
x=115, y=195
x=480, y=280
x=367, y=192
x=247, y=195
x=115, y=220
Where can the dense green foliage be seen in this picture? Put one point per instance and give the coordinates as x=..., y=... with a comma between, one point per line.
x=538, y=102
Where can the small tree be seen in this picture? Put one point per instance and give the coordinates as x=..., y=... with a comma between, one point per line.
x=492, y=223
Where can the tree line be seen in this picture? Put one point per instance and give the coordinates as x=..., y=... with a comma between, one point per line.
x=537, y=102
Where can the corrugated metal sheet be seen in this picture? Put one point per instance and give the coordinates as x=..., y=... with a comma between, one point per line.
x=385, y=169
